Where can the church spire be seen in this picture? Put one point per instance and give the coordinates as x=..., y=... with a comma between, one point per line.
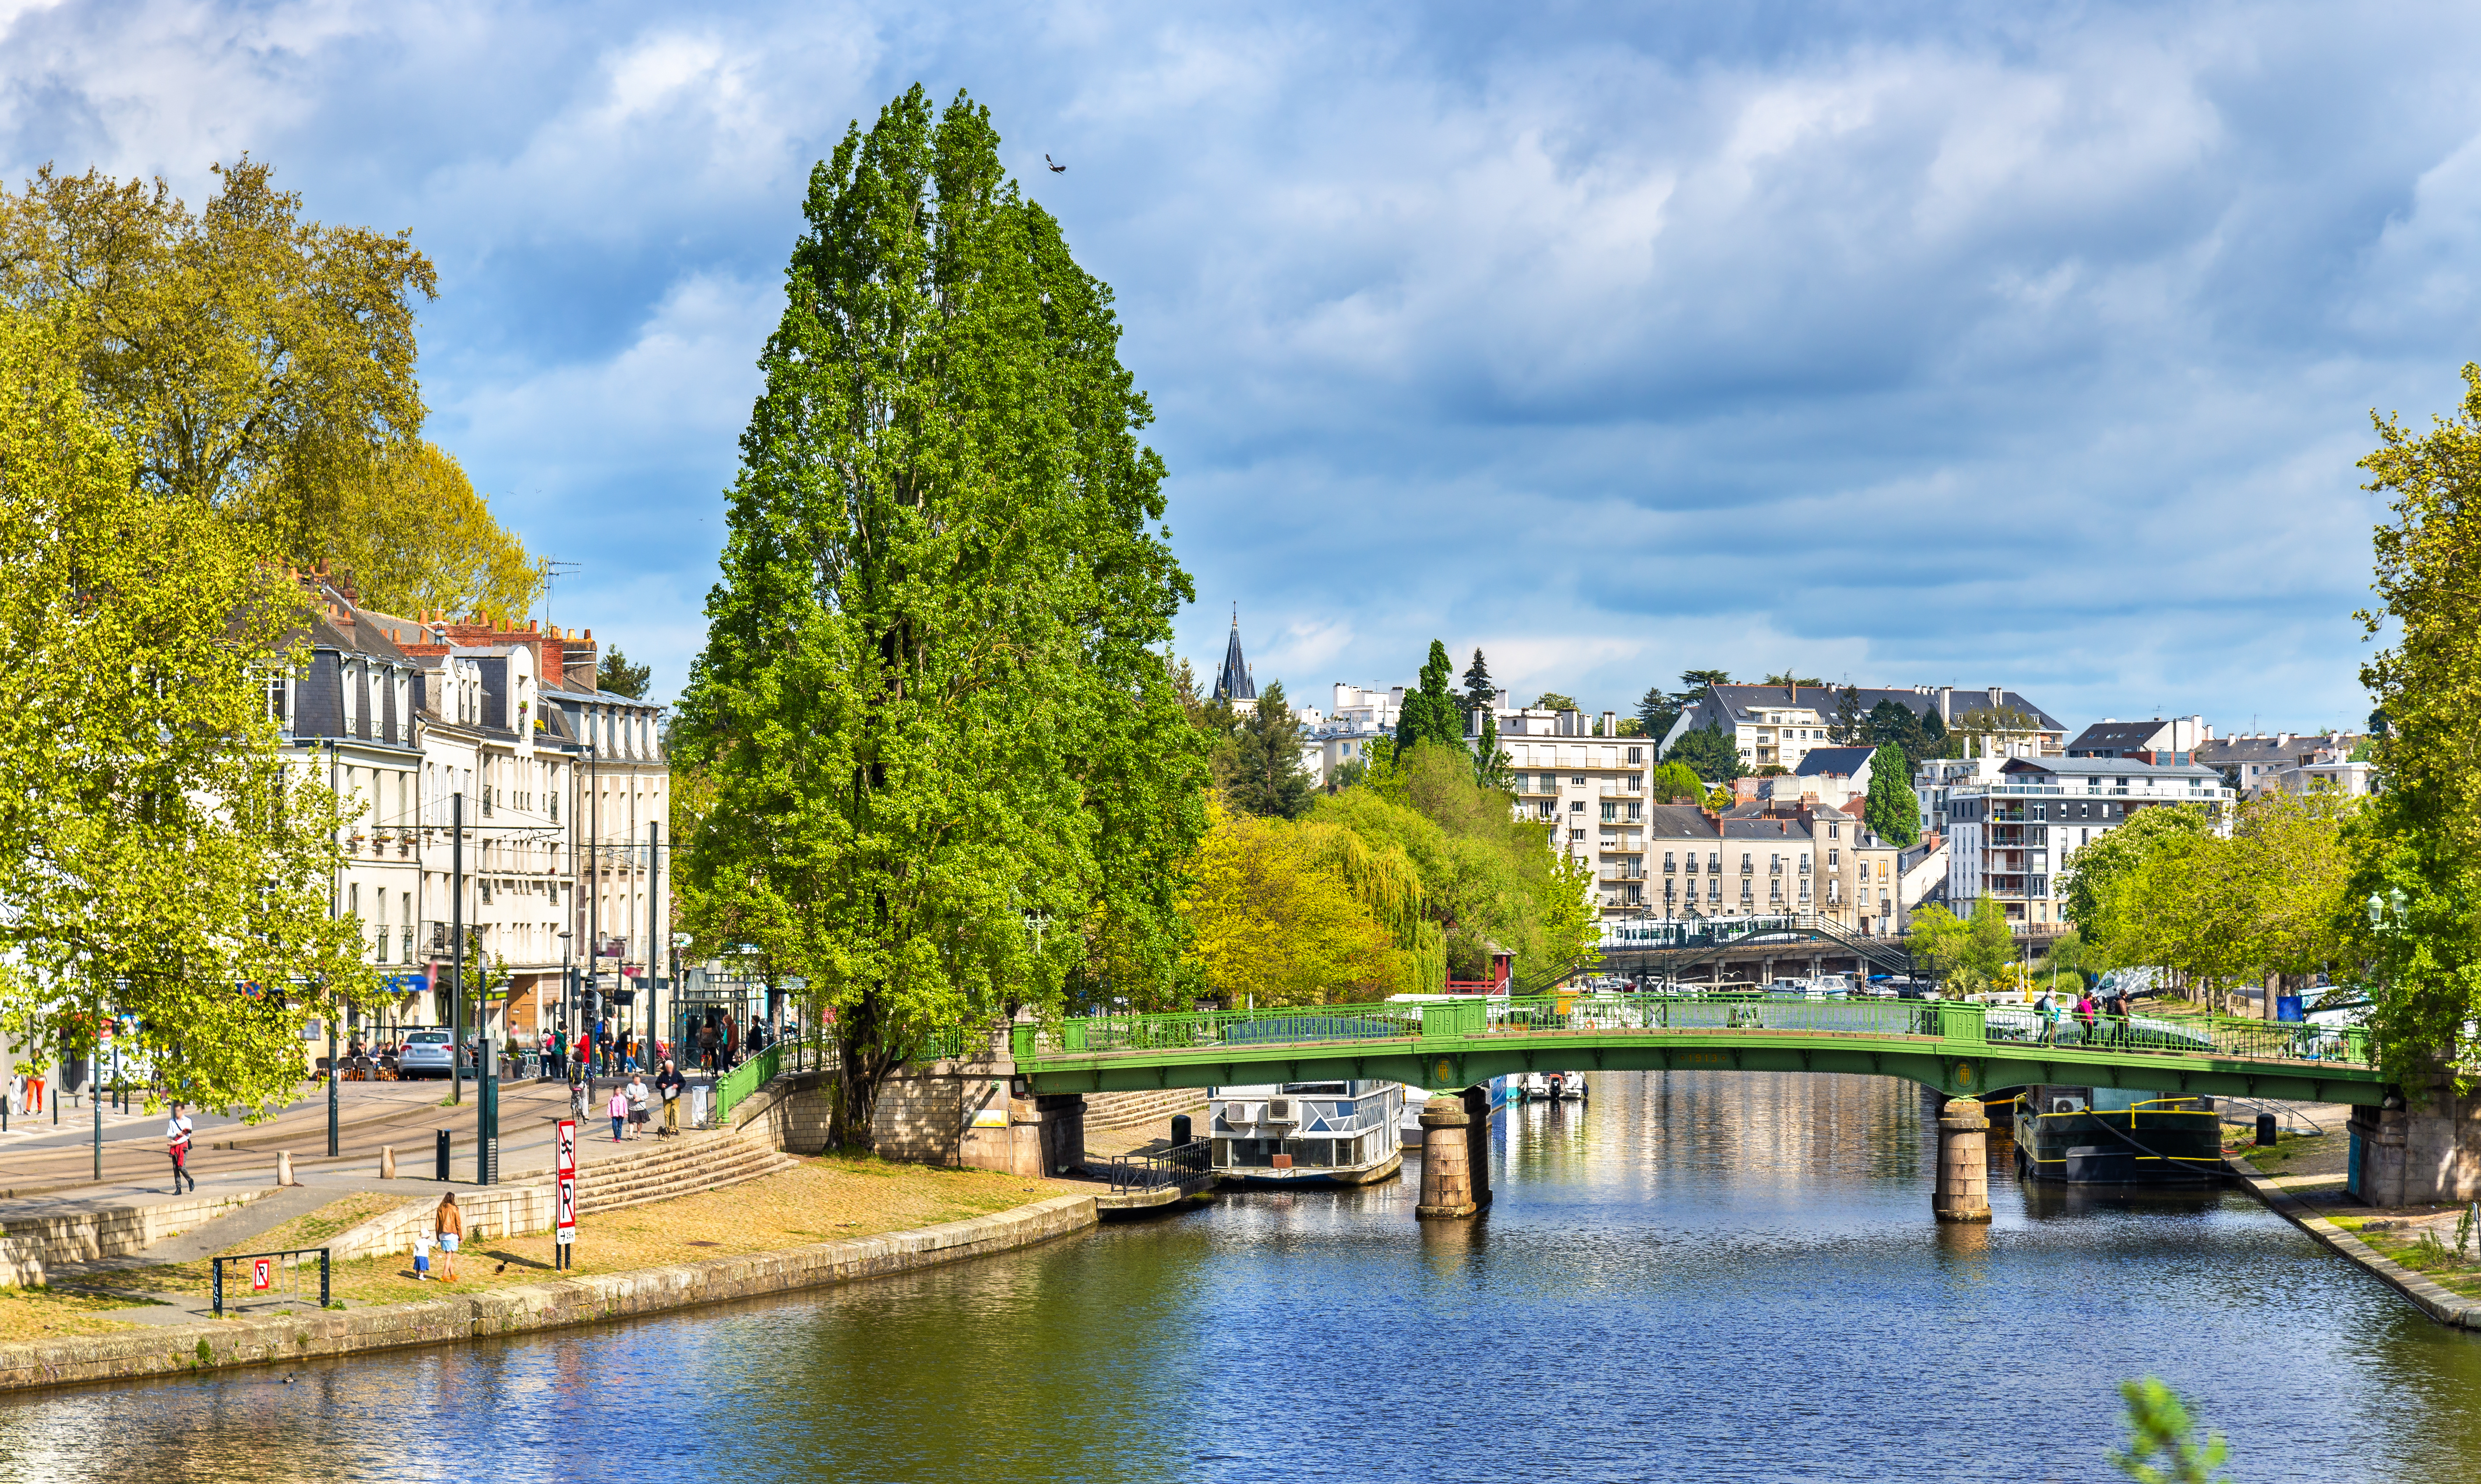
x=1234, y=681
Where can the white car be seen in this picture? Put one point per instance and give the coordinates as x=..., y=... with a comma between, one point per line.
x=426, y=1053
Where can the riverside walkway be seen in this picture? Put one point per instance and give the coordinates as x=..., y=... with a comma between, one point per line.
x=1957, y=1048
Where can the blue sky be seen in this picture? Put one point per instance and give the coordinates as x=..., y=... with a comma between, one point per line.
x=1962, y=343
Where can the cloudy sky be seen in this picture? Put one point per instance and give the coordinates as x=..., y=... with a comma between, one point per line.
x=1961, y=344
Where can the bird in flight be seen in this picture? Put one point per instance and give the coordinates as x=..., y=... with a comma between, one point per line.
x=1056, y=170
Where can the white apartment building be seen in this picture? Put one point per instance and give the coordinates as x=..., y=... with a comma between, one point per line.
x=2008, y=836
x=1589, y=785
x=350, y=717
x=2288, y=762
x=1343, y=733
x=1762, y=861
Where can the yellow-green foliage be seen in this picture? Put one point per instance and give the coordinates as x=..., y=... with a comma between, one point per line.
x=157, y=856
x=1275, y=917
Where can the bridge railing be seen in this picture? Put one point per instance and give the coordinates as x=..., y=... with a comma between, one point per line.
x=1959, y=1025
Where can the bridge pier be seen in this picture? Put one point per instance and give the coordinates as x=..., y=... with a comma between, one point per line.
x=1446, y=1159
x=1963, y=1188
x=1477, y=1143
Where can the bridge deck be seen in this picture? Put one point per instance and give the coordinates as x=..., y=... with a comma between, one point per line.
x=1955, y=1047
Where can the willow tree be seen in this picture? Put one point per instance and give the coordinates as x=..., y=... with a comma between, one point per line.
x=948, y=777
x=158, y=857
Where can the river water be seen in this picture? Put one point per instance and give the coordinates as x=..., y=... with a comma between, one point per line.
x=1705, y=1276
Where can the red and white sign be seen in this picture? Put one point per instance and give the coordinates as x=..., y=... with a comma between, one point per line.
x=564, y=1155
x=566, y=1210
x=262, y=1274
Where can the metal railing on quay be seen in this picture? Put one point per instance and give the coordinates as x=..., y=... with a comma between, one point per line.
x=2195, y=1036
x=1185, y=1165
x=277, y=1274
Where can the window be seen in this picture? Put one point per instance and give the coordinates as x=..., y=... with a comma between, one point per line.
x=1635, y=812
x=1669, y=865
x=1836, y=858
x=1577, y=834
x=1714, y=891
x=1576, y=806
x=1611, y=814
x=1714, y=862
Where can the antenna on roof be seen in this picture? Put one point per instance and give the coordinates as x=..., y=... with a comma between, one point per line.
x=551, y=567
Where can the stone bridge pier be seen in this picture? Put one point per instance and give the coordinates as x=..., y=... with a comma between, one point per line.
x=1456, y=1154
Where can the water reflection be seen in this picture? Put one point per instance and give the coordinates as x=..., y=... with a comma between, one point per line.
x=1701, y=1276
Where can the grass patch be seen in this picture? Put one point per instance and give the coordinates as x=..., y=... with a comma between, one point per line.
x=2286, y=1148
x=50, y=1313
x=822, y=1199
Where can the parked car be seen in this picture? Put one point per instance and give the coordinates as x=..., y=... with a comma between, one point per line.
x=426, y=1053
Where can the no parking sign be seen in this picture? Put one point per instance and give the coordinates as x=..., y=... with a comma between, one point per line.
x=262, y=1274
x=564, y=1198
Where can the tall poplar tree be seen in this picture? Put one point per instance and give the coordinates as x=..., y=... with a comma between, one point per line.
x=1431, y=710
x=951, y=776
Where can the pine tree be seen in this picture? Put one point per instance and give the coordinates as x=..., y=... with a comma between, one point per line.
x=1851, y=728
x=950, y=774
x=1430, y=713
x=1266, y=777
x=1480, y=694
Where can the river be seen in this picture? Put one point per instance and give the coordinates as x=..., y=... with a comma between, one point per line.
x=1704, y=1276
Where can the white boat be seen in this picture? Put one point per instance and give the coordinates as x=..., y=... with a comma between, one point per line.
x=1326, y=1133
x=1537, y=1086
x=1567, y=1086
x=1408, y=1123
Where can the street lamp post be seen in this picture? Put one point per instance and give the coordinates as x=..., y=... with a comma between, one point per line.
x=456, y=944
x=568, y=994
x=332, y=889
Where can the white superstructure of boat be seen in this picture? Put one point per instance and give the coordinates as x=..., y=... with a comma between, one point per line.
x=1537, y=1087
x=1343, y=1132
x=1567, y=1086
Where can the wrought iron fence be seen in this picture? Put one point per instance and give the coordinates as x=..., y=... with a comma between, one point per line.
x=1187, y=1165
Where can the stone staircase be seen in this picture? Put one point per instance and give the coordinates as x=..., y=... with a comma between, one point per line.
x=682, y=1166
x=1136, y=1109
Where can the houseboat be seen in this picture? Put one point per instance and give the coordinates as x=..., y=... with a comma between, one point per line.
x=1567, y=1086
x=1321, y=1133
x=2116, y=1136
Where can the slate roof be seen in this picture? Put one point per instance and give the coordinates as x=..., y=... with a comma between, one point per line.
x=2118, y=737
x=1841, y=761
x=1742, y=703
x=1233, y=682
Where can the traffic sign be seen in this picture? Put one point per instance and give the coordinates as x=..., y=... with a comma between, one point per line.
x=565, y=1159
x=564, y=1209
x=262, y=1274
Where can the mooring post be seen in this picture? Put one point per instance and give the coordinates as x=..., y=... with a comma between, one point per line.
x=1963, y=1192
x=1478, y=1112
x=1446, y=1181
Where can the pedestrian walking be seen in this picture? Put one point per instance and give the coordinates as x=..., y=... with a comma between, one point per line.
x=177, y=1133
x=637, y=1104
x=617, y=1110
x=669, y=1083
x=34, y=1090
x=2047, y=1012
x=706, y=1046
x=448, y=1223
x=2085, y=1013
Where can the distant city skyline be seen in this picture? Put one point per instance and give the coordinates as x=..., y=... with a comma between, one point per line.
x=1914, y=344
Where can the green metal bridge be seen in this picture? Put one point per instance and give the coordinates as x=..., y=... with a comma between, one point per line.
x=1958, y=1048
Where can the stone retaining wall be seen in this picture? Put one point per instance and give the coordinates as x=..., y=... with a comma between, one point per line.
x=2440, y=1302
x=500, y=1211
x=30, y=1246
x=285, y=1340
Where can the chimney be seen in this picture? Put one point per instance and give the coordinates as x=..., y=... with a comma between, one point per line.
x=1610, y=723
x=1947, y=704
x=1997, y=696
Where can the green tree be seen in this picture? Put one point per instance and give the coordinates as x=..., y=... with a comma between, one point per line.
x=158, y=856
x=1278, y=920
x=1894, y=810
x=1553, y=700
x=1493, y=767
x=1267, y=778
x=1431, y=710
x=1676, y=782
x=1480, y=692
x=416, y=537
x=1655, y=712
x=1993, y=941
x=1788, y=678
x=616, y=675
x=2416, y=846
x=1708, y=753
x=951, y=775
x=1850, y=727
x=2088, y=877
x=1893, y=724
